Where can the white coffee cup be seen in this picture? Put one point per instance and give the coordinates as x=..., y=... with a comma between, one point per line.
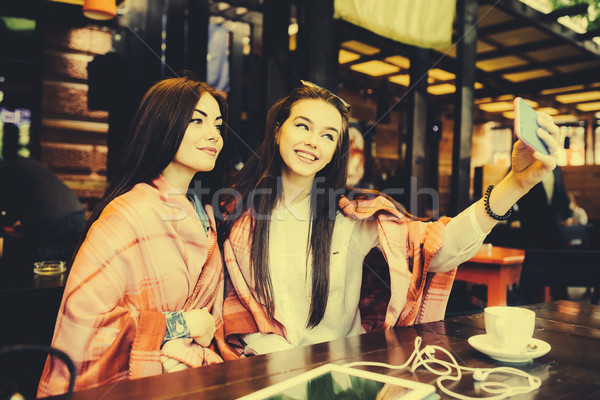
x=509, y=328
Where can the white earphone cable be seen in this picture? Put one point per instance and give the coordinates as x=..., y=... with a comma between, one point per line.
x=426, y=357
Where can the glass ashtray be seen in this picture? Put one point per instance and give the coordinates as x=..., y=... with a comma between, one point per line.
x=48, y=268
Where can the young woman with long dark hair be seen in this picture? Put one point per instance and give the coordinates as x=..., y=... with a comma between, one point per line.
x=145, y=289
x=295, y=237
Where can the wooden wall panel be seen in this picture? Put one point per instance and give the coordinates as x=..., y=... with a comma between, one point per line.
x=583, y=182
x=90, y=39
x=68, y=100
x=72, y=131
x=445, y=164
x=73, y=138
x=66, y=65
x=68, y=158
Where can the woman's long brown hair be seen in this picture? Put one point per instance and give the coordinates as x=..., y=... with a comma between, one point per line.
x=157, y=131
x=257, y=190
x=257, y=185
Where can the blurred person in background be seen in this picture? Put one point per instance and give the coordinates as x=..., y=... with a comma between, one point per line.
x=36, y=206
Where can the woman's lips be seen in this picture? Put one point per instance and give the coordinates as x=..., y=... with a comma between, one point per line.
x=306, y=156
x=210, y=150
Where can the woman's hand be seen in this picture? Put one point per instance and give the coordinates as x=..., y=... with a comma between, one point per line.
x=528, y=169
x=530, y=166
x=171, y=365
x=201, y=325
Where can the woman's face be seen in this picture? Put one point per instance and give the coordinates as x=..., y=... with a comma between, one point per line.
x=308, y=138
x=201, y=142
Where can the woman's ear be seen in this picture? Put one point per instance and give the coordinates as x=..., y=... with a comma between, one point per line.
x=277, y=133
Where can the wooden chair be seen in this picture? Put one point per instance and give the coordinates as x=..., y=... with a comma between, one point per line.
x=575, y=236
x=559, y=268
x=16, y=379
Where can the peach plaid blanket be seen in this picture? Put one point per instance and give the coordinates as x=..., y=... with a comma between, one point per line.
x=416, y=296
x=147, y=253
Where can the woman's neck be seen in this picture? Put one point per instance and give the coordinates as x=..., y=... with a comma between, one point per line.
x=295, y=188
x=180, y=182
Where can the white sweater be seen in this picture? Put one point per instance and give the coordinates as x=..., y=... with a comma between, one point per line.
x=352, y=240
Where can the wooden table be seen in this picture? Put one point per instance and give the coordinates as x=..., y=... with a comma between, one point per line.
x=571, y=370
x=496, y=267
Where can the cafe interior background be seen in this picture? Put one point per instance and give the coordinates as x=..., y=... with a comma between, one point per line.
x=70, y=82
x=431, y=84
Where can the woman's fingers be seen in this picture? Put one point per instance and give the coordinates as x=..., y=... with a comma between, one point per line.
x=549, y=132
x=171, y=365
x=547, y=122
x=550, y=141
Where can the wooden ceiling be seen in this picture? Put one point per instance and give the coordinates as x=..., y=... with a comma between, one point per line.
x=520, y=52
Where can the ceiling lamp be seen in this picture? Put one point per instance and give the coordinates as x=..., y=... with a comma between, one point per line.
x=375, y=68
x=100, y=9
x=346, y=56
x=499, y=106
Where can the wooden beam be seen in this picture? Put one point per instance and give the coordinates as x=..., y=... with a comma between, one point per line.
x=501, y=27
x=175, y=49
x=275, y=51
x=150, y=44
x=589, y=34
x=519, y=49
x=197, y=37
x=575, y=9
x=550, y=65
x=238, y=137
x=495, y=86
x=317, y=47
x=466, y=14
x=517, y=8
x=580, y=77
x=417, y=131
x=365, y=58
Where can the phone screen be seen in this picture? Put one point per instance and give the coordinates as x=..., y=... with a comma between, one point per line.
x=526, y=126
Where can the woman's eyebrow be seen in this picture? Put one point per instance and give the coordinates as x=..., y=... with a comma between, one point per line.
x=327, y=128
x=206, y=116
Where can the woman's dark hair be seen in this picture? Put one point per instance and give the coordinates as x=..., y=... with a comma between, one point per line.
x=157, y=131
x=260, y=175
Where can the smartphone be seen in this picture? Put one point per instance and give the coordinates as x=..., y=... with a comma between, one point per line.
x=526, y=126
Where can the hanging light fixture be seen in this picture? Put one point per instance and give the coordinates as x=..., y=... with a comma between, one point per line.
x=100, y=9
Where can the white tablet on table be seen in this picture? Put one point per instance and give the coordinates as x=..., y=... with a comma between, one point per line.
x=330, y=380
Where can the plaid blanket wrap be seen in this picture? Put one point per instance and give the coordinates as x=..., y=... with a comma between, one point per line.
x=147, y=253
x=408, y=294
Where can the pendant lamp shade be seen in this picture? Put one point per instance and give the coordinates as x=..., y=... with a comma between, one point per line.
x=100, y=9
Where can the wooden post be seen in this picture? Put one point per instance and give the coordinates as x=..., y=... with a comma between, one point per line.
x=149, y=43
x=417, y=131
x=175, y=52
x=275, y=51
x=238, y=138
x=463, y=107
x=317, y=45
x=197, y=37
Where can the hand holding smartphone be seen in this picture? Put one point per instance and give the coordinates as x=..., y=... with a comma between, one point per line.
x=526, y=126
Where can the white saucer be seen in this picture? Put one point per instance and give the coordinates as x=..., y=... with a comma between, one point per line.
x=482, y=343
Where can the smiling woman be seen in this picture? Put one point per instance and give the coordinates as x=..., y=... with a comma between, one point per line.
x=200, y=145
x=134, y=304
x=307, y=145
x=295, y=238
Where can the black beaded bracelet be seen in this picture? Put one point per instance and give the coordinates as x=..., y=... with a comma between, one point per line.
x=486, y=202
